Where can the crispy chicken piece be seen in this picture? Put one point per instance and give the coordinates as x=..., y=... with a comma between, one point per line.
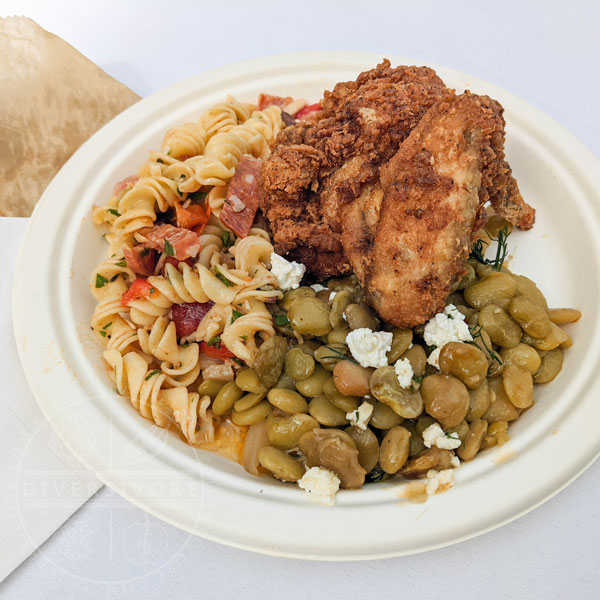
x=312, y=171
x=408, y=236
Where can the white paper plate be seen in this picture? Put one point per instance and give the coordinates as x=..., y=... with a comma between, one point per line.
x=214, y=498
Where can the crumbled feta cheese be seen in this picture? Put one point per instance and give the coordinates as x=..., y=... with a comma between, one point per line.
x=321, y=484
x=447, y=326
x=289, y=274
x=318, y=287
x=369, y=348
x=455, y=461
x=434, y=436
x=404, y=372
x=439, y=481
x=332, y=296
x=360, y=417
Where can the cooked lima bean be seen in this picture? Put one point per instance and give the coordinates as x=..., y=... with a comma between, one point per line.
x=518, y=385
x=280, y=464
x=313, y=386
x=359, y=316
x=228, y=395
x=394, y=450
x=256, y=414
x=291, y=295
x=284, y=432
x=269, y=359
x=501, y=408
x=338, y=306
x=329, y=356
x=383, y=416
x=554, y=339
x=521, y=355
x=248, y=401
x=446, y=399
x=326, y=413
x=465, y=361
x=367, y=446
x=385, y=387
x=287, y=400
x=401, y=340
x=500, y=327
x=479, y=401
x=472, y=443
x=345, y=403
x=530, y=316
x=298, y=364
x=337, y=336
x=210, y=387
x=496, y=435
x=562, y=316
x=550, y=367
x=247, y=380
x=351, y=379
x=309, y=316
x=494, y=286
x=417, y=358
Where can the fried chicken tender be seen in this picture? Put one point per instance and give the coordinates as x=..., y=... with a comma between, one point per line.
x=311, y=173
x=390, y=183
x=408, y=236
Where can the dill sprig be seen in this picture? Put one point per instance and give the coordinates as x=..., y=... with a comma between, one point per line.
x=479, y=248
x=476, y=333
x=338, y=354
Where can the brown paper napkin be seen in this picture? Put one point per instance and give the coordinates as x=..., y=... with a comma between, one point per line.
x=52, y=99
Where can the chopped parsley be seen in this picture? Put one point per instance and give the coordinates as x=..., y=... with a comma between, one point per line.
x=121, y=263
x=227, y=239
x=479, y=248
x=281, y=320
x=244, y=338
x=115, y=212
x=114, y=277
x=197, y=196
x=453, y=435
x=237, y=360
x=417, y=378
x=145, y=252
x=100, y=281
x=152, y=374
x=102, y=333
x=216, y=341
x=152, y=290
x=107, y=325
x=168, y=248
x=222, y=277
x=236, y=314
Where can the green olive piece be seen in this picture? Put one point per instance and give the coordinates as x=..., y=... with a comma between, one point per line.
x=309, y=316
x=269, y=360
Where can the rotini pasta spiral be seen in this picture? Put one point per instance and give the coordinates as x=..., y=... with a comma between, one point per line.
x=160, y=341
x=184, y=141
x=225, y=116
x=223, y=151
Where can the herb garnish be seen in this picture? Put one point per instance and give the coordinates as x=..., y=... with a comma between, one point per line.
x=102, y=333
x=227, y=239
x=222, y=277
x=107, y=325
x=145, y=252
x=237, y=360
x=281, y=320
x=479, y=248
x=151, y=374
x=377, y=474
x=198, y=196
x=100, y=281
x=114, y=277
x=236, y=314
x=216, y=341
x=121, y=263
x=476, y=333
x=168, y=248
x=338, y=354
x=112, y=211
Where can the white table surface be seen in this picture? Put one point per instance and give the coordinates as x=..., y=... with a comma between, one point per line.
x=546, y=52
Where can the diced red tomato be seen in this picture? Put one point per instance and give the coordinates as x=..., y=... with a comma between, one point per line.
x=215, y=351
x=124, y=184
x=141, y=260
x=241, y=202
x=265, y=100
x=194, y=217
x=308, y=112
x=140, y=288
x=187, y=316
